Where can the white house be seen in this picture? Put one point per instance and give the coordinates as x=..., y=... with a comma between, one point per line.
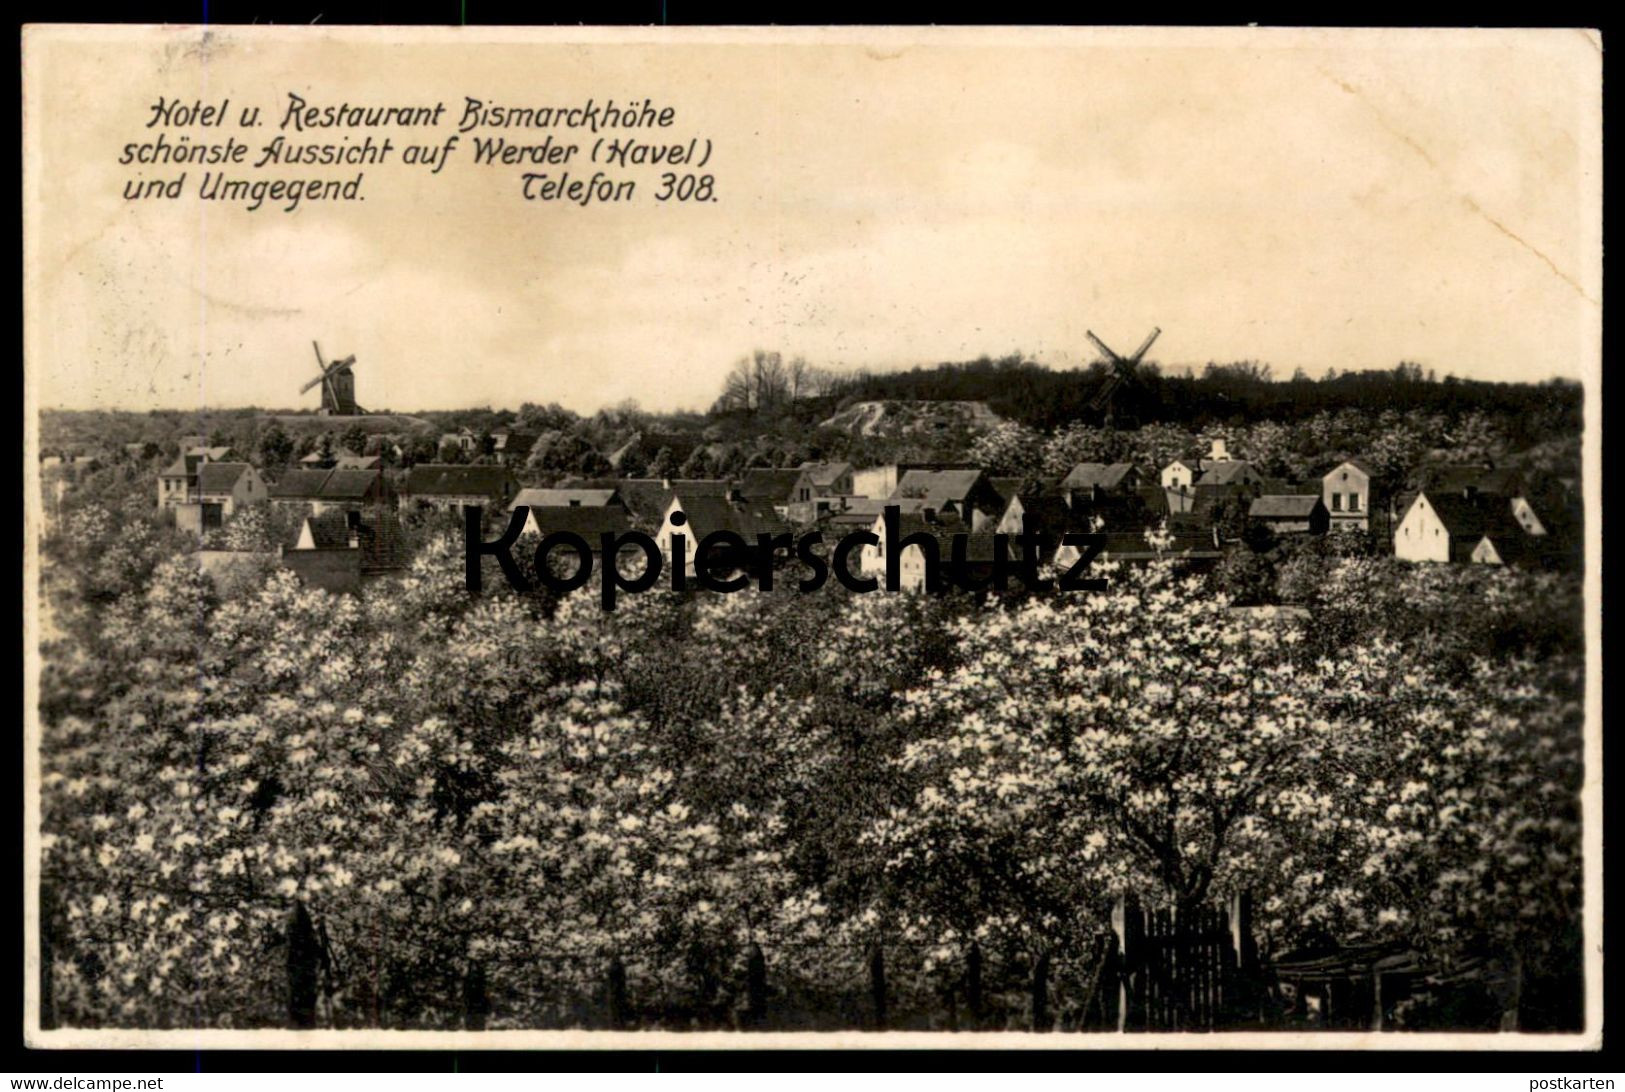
x=1346, y=492
x=229, y=485
x=1179, y=475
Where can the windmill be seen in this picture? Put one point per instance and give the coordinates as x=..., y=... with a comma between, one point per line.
x=1122, y=371
x=338, y=385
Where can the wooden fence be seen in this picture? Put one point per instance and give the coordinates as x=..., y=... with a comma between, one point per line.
x=1152, y=970
x=1191, y=971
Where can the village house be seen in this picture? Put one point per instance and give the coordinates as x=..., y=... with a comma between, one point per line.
x=704, y=515
x=511, y=449
x=591, y=523
x=572, y=497
x=465, y=440
x=1346, y=493
x=1052, y=516
x=972, y=557
x=549, y=513
x=1290, y=513
x=1103, y=479
x=339, y=550
x=358, y=462
x=800, y=494
x=1198, y=547
x=1179, y=476
x=1466, y=527
x=773, y=486
x=219, y=453
x=229, y=486
x=202, y=493
x=447, y=485
x=916, y=516
x=648, y=498
x=177, y=482
x=222, y=489
x=330, y=490
x=880, y=482
x=964, y=494
x=1228, y=474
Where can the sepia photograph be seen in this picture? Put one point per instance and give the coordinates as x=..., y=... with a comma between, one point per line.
x=1014, y=538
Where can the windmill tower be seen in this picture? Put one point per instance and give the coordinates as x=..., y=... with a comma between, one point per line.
x=1123, y=369
x=337, y=380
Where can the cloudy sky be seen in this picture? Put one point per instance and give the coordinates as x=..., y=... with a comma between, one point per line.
x=884, y=199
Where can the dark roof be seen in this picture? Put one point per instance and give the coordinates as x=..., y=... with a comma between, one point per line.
x=1463, y=517
x=938, y=487
x=452, y=480
x=344, y=484
x=978, y=545
x=1281, y=487
x=1051, y=514
x=300, y=483
x=1106, y=476
x=1482, y=479
x=824, y=475
x=1284, y=506
x=513, y=443
x=645, y=498
x=766, y=484
x=1132, y=546
x=588, y=521
x=328, y=531
x=184, y=466
x=707, y=514
x=1227, y=472
x=700, y=487
x=379, y=537
x=220, y=477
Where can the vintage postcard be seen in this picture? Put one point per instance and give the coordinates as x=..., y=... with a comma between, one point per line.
x=854, y=536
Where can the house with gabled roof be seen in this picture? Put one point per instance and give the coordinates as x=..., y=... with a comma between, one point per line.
x=1052, y=515
x=1229, y=473
x=774, y=486
x=335, y=489
x=917, y=516
x=1100, y=479
x=1346, y=493
x=704, y=515
x=230, y=485
x=339, y=550
x=569, y=497
x=1290, y=513
x=1180, y=475
x=177, y=482
x=588, y=521
x=453, y=485
x=1445, y=527
x=880, y=482
x=965, y=494
x=512, y=448
x=203, y=494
